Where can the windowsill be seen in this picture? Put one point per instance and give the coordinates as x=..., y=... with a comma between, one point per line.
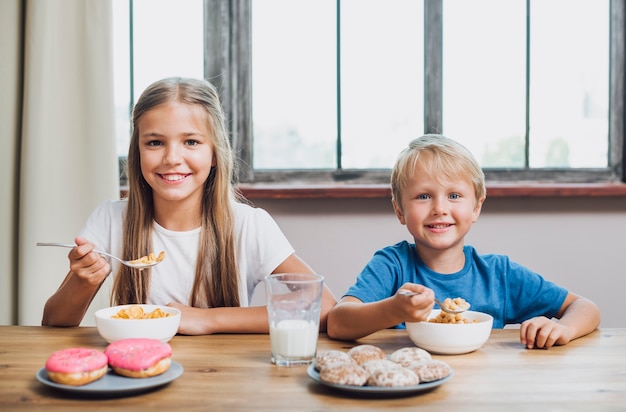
x=502, y=190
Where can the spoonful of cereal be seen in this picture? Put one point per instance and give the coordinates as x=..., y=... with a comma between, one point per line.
x=453, y=306
x=141, y=263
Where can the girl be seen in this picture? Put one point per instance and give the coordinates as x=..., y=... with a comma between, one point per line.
x=181, y=200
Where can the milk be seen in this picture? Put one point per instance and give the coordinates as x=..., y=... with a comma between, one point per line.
x=293, y=309
x=293, y=338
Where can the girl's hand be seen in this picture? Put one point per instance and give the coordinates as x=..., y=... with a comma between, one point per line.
x=193, y=321
x=543, y=333
x=414, y=308
x=86, y=265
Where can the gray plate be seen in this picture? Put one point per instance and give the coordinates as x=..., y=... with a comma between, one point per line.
x=113, y=384
x=399, y=390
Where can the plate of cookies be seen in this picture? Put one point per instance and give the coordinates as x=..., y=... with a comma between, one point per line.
x=125, y=366
x=368, y=369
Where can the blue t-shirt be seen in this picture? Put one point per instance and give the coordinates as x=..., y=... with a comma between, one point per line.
x=491, y=283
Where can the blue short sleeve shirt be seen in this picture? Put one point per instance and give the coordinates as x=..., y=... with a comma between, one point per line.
x=491, y=283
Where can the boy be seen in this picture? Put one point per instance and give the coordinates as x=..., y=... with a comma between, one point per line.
x=438, y=190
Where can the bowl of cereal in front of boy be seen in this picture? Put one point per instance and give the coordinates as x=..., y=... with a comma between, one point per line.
x=449, y=334
x=138, y=321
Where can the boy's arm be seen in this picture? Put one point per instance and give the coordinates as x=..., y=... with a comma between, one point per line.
x=579, y=314
x=578, y=317
x=352, y=319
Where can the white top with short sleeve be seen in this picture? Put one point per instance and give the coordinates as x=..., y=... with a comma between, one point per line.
x=260, y=247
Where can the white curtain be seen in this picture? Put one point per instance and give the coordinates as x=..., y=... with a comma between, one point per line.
x=60, y=128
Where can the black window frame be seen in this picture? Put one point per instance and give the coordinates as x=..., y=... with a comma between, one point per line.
x=228, y=65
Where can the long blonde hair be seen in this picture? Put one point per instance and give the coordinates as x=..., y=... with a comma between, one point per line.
x=216, y=278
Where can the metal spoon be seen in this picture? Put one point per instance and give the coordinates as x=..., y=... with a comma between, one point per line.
x=123, y=262
x=445, y=309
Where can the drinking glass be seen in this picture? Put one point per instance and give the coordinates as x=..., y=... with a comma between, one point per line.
x=294, y=301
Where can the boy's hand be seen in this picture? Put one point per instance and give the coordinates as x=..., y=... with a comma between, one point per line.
x=414, y=308
x=543, y=333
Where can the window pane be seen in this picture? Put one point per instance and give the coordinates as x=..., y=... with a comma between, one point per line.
x=294, y=102
x=168, y=41
x=121, y=74
x=382, y=69
x=484, y=79
x=569, y=83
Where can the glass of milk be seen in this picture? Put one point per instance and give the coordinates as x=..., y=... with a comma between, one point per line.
x=293, y=306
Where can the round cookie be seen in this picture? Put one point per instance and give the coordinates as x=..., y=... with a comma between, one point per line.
x=363, y=353
x=331, y=357
x=406, y=356
x=76, y=366
x=138, y=357
x=344, y=374
x=374, y=364
x=393, y=377
x=430, y=370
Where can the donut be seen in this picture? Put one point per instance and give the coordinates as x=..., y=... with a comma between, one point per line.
x=331, y=357
x=393, y=377
x=76, y=366
x=139, y=357
x=344, y=374
x=363, y=353
x=430, y=370
x=408, y=355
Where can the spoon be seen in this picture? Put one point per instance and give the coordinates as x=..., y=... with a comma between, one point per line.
x=136, y=265
x=444, y=308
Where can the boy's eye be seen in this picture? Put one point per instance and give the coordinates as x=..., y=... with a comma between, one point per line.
x=423, y=196
x=455, y=196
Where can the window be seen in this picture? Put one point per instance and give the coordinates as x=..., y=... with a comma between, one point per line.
x=153, y=39
x=321, y=91
x=534, y=89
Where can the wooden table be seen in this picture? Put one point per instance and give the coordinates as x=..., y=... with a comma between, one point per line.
x=233, y=372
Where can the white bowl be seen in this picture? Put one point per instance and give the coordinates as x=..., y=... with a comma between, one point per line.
x=449, y=338
x=162, y=329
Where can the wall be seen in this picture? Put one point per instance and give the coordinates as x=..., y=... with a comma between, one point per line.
x=574, y=242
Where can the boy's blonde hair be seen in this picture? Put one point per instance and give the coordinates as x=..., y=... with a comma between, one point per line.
x=441, y=156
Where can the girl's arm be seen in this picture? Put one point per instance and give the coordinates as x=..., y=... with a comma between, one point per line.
x=68, y=305
x=197, y=321
x=293, y=264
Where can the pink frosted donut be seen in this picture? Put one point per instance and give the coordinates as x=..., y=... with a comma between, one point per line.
x=76, y=366
x=139, y=358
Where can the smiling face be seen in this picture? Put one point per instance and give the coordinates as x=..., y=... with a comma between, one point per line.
x=176, y=153
x=437, y=210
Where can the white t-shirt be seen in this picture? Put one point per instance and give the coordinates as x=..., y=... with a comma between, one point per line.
x=260, y=247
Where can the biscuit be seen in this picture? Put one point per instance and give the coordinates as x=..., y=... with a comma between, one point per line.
x=430, y=370
x=363, y=353
x=331, y=357
x=393, y=377
x=406, y=356
x=372, y=365
x=344, y=374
